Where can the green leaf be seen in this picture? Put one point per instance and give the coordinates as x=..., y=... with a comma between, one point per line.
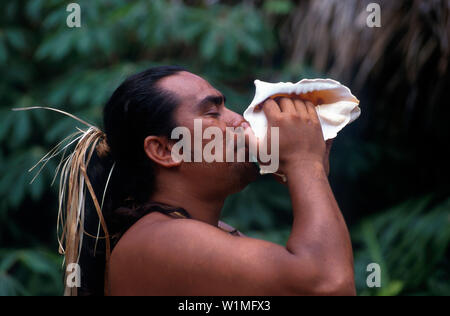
x=21, y=128
x=16, y=38
x=19, y=189
x=7, y=261
x=409, y=242
x=209, y=45
x=37, y=188
x=394, y=288
x=34, y=9
x=57, y=46
x=3, y=52
x=6, y=122
x=278, y=6
x=9, y=286
x=36, y=262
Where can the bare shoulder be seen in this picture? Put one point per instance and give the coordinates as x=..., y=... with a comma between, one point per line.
x=159, y=229
x=164, y=256
x=160, y=250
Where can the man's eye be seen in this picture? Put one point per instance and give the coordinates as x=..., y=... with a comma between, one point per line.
x=213, y=114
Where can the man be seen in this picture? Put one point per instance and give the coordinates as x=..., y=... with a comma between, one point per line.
x=162, y=255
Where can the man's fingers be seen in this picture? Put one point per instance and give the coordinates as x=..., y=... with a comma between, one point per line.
x=300, y=107
x=287, y=105
x=312, y=111
x=271, y=109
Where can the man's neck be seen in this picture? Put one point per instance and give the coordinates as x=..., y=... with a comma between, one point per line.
x=202, y=208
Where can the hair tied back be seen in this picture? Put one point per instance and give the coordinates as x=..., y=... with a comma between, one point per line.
x=103, y=149
x=73, y=185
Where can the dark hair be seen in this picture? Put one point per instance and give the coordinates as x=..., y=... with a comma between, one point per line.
x=138, y=108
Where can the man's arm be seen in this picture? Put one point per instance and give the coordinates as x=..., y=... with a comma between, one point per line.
x=185, y=257
x=318, y=222
x=189, y=257
x=319, y=226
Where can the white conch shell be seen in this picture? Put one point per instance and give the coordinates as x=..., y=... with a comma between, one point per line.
x=336, y=105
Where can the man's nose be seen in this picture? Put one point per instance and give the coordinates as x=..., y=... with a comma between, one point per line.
x=234, y=119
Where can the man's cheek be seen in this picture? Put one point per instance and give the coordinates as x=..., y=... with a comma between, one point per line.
x=212, y=141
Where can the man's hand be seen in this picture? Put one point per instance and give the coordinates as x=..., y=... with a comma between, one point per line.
x=301, y=137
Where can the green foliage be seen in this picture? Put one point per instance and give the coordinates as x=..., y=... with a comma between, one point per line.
x=46, y=63
x=43, y=62
x=29, y=272
x=253, y=210
x=278, y=6
x=410, y=242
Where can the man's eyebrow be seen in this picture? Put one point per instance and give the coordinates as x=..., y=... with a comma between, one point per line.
x=212, y=99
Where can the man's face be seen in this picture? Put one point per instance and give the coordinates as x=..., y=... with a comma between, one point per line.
x=200, y=101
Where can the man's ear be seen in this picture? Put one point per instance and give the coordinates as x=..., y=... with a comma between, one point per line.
x=159, y=150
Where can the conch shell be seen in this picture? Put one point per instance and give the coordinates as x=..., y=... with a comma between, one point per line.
x=335, y=104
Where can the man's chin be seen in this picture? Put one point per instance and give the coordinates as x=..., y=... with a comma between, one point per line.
x=246, y=171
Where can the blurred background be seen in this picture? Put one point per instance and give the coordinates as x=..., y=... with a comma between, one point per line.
x=390, y=169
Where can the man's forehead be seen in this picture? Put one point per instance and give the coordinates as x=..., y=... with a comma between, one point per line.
x=188, y=86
